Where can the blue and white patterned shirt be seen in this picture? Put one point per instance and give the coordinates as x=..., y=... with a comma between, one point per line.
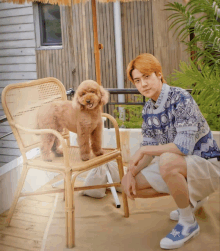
x=176, y=118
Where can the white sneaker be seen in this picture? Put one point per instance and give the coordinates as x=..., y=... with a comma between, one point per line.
x=181, y=233
x=174, y=215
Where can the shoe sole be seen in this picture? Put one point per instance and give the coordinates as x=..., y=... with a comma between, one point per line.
x=178, y=245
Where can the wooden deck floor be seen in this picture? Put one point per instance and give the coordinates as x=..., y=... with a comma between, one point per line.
x=27, y=228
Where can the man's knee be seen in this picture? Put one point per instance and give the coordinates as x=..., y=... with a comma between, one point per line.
x=171, y=164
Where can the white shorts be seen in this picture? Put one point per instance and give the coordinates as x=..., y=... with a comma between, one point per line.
x=203, y=177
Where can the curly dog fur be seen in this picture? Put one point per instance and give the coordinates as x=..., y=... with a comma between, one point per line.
x=82, y=115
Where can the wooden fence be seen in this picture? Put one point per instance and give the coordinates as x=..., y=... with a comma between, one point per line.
x=144, y=29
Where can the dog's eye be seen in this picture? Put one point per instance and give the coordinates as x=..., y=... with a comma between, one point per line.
x=83, y=93
x=92, y=91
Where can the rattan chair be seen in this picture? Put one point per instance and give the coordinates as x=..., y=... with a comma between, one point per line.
x=21, y=103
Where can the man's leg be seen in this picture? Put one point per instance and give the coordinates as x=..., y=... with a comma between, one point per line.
x=143, y=188
x=173, y=169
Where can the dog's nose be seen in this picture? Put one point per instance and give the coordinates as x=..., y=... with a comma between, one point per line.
x=88, y=101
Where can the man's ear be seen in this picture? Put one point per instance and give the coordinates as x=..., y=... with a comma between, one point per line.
x=104, y=95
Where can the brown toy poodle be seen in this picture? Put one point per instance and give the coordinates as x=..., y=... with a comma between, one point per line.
x=82, y=115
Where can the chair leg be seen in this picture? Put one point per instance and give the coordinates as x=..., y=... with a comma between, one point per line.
x=64, y=194
x=17, y=194
x=124, y=196
x=70, y=220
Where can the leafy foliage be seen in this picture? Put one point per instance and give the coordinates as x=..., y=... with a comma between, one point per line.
x=203, y=73
x=198, y=17
x=206, y=90
x=133, y=115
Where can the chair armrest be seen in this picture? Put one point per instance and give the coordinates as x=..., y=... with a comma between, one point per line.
x=115, y=124
x=45, y=131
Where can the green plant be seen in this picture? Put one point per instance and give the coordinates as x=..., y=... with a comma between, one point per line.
x=203, y=73
x=205, y=90
x=198, y=17
x=133, y=115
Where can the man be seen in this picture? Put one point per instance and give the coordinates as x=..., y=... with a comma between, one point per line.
x=187, y=166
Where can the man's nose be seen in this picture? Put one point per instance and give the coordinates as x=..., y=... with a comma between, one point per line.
x=144, y=82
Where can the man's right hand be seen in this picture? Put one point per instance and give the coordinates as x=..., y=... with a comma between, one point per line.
x=129, y=185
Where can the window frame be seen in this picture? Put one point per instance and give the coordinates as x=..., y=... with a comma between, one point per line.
x=38, y=35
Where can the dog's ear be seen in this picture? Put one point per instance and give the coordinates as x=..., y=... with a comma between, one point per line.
x=76, y=102
x=104, y=95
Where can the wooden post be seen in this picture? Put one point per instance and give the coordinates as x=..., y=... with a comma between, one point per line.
x=96, y=43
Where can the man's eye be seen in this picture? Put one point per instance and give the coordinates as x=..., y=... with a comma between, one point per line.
x=92, y=91
x=136, y=81
x=83, y=93
x=146, y=76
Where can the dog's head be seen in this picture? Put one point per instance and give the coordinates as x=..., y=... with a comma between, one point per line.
x=90, y=94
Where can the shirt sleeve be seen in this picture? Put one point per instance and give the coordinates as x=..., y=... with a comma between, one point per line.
x=186, y=117
x=149, y=141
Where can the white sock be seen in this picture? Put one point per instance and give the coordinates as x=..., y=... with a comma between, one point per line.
x=186, y=215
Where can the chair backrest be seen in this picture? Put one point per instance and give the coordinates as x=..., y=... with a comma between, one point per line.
x=21, y=103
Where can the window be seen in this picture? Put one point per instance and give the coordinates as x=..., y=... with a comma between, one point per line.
x=50, y=25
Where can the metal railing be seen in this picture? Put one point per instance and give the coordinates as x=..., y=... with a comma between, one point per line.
x=70, y=93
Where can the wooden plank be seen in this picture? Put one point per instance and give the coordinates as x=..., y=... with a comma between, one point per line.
x=17, y=20
x=30, y=218
x=17, y=36
x=10, y=152
x=8, y=248
x=42, y=198
x=17, y=60
x=19, y=75
x=4, y=83
x=10, y=137
x=20, y=224
x=79, y=41
x=16, y=28
x=17, y=44
x=91, y=42
x=8, y=144
x=34, y=211
x=15, y=12
x=6, y=6
x=5, y=129
x=76, y=44
x=150, y=26
x=35, y=204
x=6, y=122
x=17, y=52
x=30, y=245
x=18, y=68
x=6, y=159
x=22, y=233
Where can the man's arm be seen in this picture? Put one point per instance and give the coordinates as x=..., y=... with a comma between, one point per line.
x=144, y=156
x=158, y=150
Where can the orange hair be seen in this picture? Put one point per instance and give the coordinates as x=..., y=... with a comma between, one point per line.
x=147, y=64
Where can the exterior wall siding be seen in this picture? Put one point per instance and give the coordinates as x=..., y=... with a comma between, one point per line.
x=17, y=62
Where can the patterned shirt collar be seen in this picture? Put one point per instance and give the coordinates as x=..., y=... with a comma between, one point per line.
x=162, y=97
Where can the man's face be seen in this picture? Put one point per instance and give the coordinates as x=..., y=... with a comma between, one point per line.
x=148, y=85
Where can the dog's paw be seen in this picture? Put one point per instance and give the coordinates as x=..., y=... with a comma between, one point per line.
x=59, y=152
x=85, y=157
x=99, y=152
x=48, y=157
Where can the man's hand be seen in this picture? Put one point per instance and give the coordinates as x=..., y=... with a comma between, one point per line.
x=129, y=185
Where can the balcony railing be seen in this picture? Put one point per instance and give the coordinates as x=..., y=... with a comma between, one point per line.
x=71, y=91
